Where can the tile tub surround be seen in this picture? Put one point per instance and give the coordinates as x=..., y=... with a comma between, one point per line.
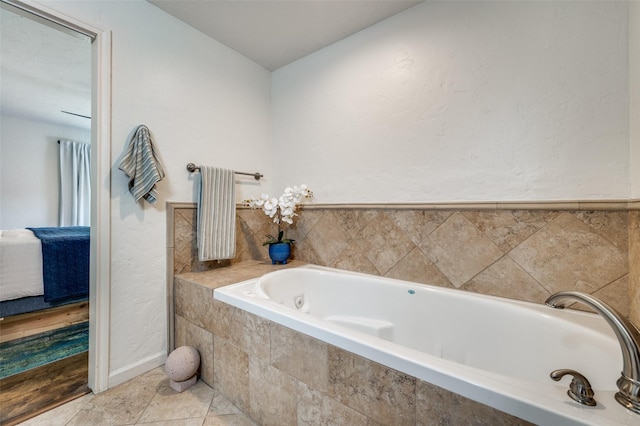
x=196, y=315
x=525, y=254
x=278, y=376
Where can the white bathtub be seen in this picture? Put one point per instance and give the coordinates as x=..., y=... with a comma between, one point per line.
x=496, y=351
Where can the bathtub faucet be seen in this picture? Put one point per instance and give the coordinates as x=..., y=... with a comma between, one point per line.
x=628, y=337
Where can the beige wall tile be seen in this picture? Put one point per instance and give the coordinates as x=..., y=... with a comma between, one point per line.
x=354, y=258
x=418, y=224
x=385, y=395
x=610, y=225
x=616, y=295
x=315, y=408
x=304, y=249
x=184, y=239
x=386, y=242
x=231, y=373
x=300, y=356
x=505, y=253
x=568, y=255
x=193, y=302
x=354, y=220
x=350, y=238
x=328, y=238
x=202, y=341
x=269, y=407
x=506, y=278
x=304, y=223
x=417, y=267
x=253, y=225
x=248, y=247
x=459, y=249
x=437, y=406
x=180, y=325
x=189, y=334
x=508, y=228
x=257, y=222
x=222, y=316
x=250, y=333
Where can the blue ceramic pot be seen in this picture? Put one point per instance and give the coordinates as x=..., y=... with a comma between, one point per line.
x=279, y=252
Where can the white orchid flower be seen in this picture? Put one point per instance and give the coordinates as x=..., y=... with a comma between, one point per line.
x=287, y=210
x=270, y=207
x=282, y=209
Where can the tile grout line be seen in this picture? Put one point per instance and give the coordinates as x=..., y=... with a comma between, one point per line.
x=79, y=408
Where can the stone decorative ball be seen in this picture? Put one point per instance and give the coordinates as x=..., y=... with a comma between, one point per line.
x=182, y=363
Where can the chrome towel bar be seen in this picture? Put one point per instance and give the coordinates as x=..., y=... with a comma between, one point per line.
x=192, y=168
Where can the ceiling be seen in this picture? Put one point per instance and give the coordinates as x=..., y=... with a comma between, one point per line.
x=46, y=69
x=275, y=33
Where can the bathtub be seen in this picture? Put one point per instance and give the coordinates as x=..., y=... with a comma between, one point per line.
x=496, y=351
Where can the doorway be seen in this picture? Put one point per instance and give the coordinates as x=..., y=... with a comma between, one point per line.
x=99, y=135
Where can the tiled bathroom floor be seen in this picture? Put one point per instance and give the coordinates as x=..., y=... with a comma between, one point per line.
x=146, y=400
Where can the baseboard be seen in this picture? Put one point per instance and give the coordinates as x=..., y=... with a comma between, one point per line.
x=128, y=372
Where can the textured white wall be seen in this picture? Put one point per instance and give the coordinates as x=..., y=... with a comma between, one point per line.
x=29, y=179
x=634, y=104
x=453, y=101
x=203, y=103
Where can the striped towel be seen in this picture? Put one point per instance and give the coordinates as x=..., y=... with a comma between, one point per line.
x=142, y=165
x=216, y=214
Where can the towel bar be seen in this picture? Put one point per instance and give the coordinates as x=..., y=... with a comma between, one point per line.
x=192, y=168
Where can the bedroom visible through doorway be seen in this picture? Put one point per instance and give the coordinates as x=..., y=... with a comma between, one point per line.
x=46, y=86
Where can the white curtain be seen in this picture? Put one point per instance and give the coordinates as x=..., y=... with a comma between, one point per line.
x=75, y=183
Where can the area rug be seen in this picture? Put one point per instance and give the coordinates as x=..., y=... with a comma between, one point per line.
x=26, y=353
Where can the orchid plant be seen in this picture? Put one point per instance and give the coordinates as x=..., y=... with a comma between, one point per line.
x=282, y=210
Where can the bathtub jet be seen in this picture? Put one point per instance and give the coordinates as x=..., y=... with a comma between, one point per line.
x=496, y=351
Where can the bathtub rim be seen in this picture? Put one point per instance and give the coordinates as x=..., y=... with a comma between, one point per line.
x=497, y=391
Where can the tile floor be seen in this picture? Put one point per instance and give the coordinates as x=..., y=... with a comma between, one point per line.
x=146, y=400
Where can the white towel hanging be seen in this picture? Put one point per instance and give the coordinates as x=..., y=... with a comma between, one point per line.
x=216, y=234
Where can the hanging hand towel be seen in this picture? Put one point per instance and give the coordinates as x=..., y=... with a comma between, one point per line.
x=142, y=165
x=216, y=214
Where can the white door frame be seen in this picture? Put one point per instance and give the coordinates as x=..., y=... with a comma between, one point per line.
x=100, y=267
x=100, y=282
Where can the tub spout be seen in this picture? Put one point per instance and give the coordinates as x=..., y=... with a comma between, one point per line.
x=628, y=337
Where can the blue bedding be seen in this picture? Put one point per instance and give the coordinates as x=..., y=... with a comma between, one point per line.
x=65, y=261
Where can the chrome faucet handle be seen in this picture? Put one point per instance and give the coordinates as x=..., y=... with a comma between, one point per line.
x=579, y=389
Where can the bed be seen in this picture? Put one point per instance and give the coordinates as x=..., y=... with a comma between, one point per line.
x=42, y=268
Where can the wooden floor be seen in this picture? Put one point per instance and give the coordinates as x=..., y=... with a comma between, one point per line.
x=35, y=391
x=24, y=325
x=32, y=392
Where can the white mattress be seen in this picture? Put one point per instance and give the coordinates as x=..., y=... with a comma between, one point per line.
x=20, y=264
